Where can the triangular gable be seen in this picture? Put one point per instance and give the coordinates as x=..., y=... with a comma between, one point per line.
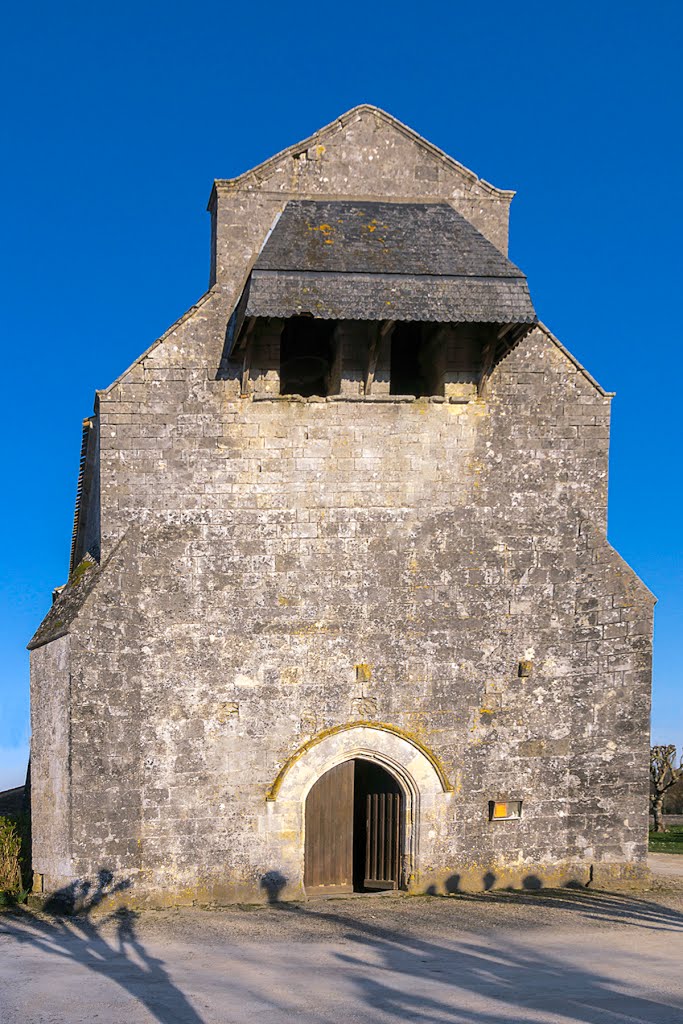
x=265, y=169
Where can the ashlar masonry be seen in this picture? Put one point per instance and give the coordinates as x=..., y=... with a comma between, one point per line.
x=341, y=611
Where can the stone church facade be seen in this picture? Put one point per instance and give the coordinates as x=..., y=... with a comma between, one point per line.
x=341, y=610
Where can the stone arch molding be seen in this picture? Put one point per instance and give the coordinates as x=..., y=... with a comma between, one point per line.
x=417, y=770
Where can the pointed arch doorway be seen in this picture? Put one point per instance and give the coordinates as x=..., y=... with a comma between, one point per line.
x=354, y=830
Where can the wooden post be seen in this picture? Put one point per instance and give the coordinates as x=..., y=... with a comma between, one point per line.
x=382, y=333
x=246, y=361
x=488, y=355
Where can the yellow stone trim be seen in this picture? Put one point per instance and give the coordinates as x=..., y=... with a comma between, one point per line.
x=436, y=764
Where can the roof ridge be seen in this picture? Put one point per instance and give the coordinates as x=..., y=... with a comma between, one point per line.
x=340, y=122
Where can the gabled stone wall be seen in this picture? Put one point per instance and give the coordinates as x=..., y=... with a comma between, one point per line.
x=273, y=569
x=364, y=155
x=259, y=551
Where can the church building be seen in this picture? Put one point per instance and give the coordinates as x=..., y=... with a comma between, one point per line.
x=341, y=613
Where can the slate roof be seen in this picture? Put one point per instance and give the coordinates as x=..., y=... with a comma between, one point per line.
x=12, y=801
x=67, y=604
x=381, y=238
x=390, y=297
x=383, y=261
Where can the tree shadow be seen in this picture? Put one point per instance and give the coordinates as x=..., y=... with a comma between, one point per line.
x=391, y=968
x=390, y=971
x=592, y=904
x=616, y=908
x=67, y=929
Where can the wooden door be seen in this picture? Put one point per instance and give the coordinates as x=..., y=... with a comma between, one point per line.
x=382, y=840
x=328, y=863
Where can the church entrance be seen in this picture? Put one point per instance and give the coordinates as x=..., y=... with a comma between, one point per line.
x=354, y=830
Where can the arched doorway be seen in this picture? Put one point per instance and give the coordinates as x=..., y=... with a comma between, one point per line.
x=426, y=797
x=354, y=829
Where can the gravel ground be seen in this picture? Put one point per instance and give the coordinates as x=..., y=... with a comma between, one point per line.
x=549, y=957
x=670, y=864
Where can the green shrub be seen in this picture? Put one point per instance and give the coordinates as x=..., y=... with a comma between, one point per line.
x=23, y=823
x=10, y=857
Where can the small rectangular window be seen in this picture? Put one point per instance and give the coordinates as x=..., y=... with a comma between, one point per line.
x=504, y=810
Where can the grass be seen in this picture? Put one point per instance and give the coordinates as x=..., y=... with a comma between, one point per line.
x=15, y=857
x=667, y=842
x=10, y=856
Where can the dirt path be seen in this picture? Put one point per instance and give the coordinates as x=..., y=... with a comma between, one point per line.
x=669, y=864
x=550, y=958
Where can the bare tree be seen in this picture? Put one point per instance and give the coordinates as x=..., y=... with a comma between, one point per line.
x=663, y=775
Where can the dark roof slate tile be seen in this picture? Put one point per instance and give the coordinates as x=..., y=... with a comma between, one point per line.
x=381, y=238
x=345, y=260
x=390, y=297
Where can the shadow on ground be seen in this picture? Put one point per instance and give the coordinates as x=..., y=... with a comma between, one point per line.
x=67, y=930
x=587, y=904
x=394, y=975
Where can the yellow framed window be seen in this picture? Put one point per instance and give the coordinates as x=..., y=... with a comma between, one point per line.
x=504, y=810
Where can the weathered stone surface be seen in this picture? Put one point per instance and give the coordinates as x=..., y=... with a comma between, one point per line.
x=273, y=569
x=51, y=789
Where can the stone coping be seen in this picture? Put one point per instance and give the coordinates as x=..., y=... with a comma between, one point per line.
x=378, y=399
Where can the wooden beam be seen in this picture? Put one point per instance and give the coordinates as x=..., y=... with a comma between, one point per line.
x=488, y=356
x=507, y=336
x=335, y=372
x=241, y=338
x=382, y=333
x=247, y=335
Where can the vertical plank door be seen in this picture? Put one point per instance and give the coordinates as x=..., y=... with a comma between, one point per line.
x=382, y=841
x=328, y=850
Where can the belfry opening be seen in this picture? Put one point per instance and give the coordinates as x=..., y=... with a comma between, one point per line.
x=354, y=830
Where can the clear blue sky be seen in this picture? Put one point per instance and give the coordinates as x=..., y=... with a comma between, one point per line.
x=117, y=118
